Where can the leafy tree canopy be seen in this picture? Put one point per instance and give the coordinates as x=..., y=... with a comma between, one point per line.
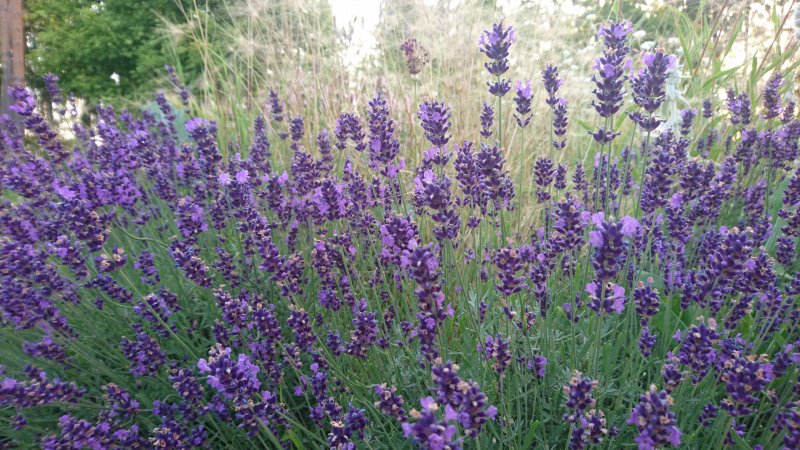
x=84, y=42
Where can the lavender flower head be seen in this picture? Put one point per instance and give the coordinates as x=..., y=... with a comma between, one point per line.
x=611, y=68
x=608, y=240
x=772, y=97
x=53, y=90
x=551, y=83
x=495, y=44
x=655, y=422
x=237, y=380
x=416, y=55
x=649, y=84
x=560, y=122
x=487, y=120
x=435, y=117
x=430, y=432
x=523, y=103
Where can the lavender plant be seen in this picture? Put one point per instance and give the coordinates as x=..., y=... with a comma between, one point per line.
x=163, y=289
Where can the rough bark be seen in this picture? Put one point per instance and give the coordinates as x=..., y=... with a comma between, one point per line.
x=12, y=46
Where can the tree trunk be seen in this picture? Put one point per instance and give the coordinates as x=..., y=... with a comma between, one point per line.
x=5, y=54
x=12, y=45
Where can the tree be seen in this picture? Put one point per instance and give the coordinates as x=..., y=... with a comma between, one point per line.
x=12, y=44
x=84, y=42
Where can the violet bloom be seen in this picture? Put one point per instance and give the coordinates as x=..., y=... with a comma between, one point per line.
x=609, y=299
x=296, y=130
x=342, y=432
x=494, y=184
x=697, y=348
x=435, y=117
x=646, y=342
x=390, y=402
x=509, y=271
x=739, y=107
x=655, y=422
x=687, y=119
x=495, y=44
x=671, y=372
x=496, y=349
x=144, y=353
x=543, y=172
x=487, y=119
x=53, y=90
x=708, y=415
x=708, y=109
x=608, y=240
x=276, y=106
x=46, y=348
x=657, y=183
x=25, y=105
x=109, y=263
x=589, y=430
x=190, y=219
x=744, y=377
x=237, y=380
x=416, y=55
x=560, y=123
x=259, y=149
x=364, y=334
x=772, y=97
x=567, y=230
x=433, y=191
x=204, y=132
x=551, y=84
x=647, y=302
x=579, y=396
x=397, y=233
x=383, y=144
x=611, y=68
x=560, y=178
x=422, y=265
x=649, y=84
x=464, y=396
x=538, y=365
x=300, y=323
x=172, y=75
x=348, y=127
x=430, y=432
x=523, y=103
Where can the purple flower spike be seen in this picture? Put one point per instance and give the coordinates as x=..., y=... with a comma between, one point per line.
x=495, y=44
x=551, y=84
x=430, y=432
x=579, y=396
x=772, y=97
x=649, y=88
x=416, y=55
x=611, y=68
x=509, y=270
x=236, y=379
x=497, y=349
x=435, y=117
x=523, y=103
x=655, y=422
x=487, y=120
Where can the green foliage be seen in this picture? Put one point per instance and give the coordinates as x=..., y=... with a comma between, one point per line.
x=84, y=42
